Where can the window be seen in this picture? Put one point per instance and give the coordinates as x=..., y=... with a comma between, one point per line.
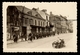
x=38, y=23
x=41, y=23
x=36, y=15
x=8, y=19
x=25, y=20
x=30, y=21
x=30, y=13
x=46, y=17
x=35, y=22
x=47, y=23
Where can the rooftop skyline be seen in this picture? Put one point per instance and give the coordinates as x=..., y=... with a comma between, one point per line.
x=68, y=9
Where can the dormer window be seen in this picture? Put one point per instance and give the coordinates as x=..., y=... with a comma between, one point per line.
x=36, y=15
x=30, y=13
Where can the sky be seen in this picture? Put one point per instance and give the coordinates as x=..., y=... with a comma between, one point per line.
x=68, y=9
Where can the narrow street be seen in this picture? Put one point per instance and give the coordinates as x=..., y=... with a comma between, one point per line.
x=44, y=42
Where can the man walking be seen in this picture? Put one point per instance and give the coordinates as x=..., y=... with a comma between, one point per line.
x=25, y=37
x=15, y=38
x=30, y=36
x=22, y=37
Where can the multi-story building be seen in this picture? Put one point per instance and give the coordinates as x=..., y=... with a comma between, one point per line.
x=39, y=21
x=56, y=22
x=70, y=26
x=45, y=16
x=64, y=23
x=13, y=22
x=23, y=20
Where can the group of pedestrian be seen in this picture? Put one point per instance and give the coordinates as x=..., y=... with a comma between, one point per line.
x=23, y=36
x=15, y=37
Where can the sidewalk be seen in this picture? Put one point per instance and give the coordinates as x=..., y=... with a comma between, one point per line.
x=19, y=40
x=72, y=43
x=11, y=41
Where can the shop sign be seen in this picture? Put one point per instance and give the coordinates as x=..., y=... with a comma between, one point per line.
x=16, y=28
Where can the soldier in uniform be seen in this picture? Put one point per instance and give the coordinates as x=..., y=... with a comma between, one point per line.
x=25, y=37
x=15, y=38
x=30, y=36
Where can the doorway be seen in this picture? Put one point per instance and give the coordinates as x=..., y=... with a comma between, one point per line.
x=24, y=30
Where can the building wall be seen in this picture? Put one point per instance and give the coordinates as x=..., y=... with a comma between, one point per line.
x=70, y=26
x=12, y=21
x=56, y=21
x=64, y=24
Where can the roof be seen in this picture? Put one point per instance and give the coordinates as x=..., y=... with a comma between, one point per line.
x=23, y=9
x=42, y=14
x=26, y=10
x=36, y=14
x=63, y=17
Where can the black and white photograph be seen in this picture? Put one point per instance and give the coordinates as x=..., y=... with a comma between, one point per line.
x=39, y=26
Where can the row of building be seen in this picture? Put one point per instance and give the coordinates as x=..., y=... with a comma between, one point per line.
x=24, y=20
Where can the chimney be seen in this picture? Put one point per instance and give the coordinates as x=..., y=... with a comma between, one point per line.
x=38, y=8
x=50, y=12
x=34, y=9
x=44, y=10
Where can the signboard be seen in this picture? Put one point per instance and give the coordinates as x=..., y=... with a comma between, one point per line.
x=16, y=28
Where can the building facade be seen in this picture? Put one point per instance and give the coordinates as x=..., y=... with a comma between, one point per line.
x=43, y=14
x=24, y=21
x=59, y=22
x=56, y=22
x=13, y=22
x=64, y=24
x=70, y=26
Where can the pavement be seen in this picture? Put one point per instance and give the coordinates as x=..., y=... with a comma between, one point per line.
x=39, y=42
x=44, y=44
x=12, y=42
x=19, y=40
